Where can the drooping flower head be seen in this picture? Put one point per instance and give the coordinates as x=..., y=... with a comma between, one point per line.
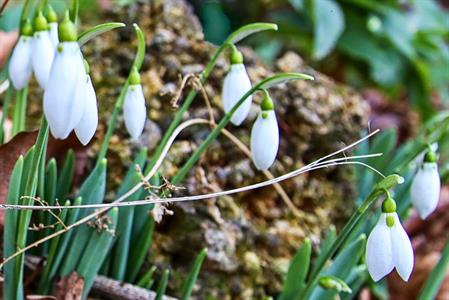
x=20, y=64
x=43, y=50
x=265, y=135
x=134, y=108
x=64, y=97
x=425, y=190
x=389, y=246
x=236, y=84
x=52, y=19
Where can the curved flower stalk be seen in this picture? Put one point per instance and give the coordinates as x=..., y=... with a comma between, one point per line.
x=20, y=64
x=389, y=246
x=425, y=190
x=43, y=51
x=235, y=85
x=52, y=19
x=86, y=128
x=134, y=108
x=64, y=96
x=265, y=135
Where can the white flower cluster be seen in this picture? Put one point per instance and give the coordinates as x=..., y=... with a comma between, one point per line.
x=52, y=53
x=388, y=245
x=265, y=131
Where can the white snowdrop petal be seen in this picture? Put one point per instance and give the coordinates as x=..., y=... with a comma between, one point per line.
x=379, y=255
x=20, y=63
x=134, y=110
x=265, y=140
x=42, y=57
x=235, y=85
x=425, y=190
x=60, y=107
x=403, y=257
x=87, y=127
x=54, y=34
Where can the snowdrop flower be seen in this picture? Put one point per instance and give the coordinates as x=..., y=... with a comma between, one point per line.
x=389, y=246
x=265, y=136
x=20, y=63
x=64, y=96
x=86, y=128
x=425, y=190
x=134, y=109
x=236, y=84
x=420, y=157
x=43, y=50
x=52, y=19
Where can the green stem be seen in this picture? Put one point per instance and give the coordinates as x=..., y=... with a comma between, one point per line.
x=25, y=11
x=184, y=107
x=74, y=11
x=19, y=116
x=386, y=184
x=261, y=85
x=112, y=124
x=5, y=112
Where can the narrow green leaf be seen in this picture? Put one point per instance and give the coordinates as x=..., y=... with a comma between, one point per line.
x=140, y=250
x=66, y=178
x=299, y=267
x=44, y=284
x=92, y=191
x=29, y=191
x=325, y=246
x=10, y=230
x=248, y=30
x=95, y=31
x=160, y=292
x=63, y=243
x=189, y=284
x=147, y=280
x=329, y=24
x=356, y=281
x=342, y=266
x=436, y=277
x=126, y=216
x=96, y=252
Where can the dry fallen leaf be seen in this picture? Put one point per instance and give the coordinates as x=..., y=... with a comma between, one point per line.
x=70, y=287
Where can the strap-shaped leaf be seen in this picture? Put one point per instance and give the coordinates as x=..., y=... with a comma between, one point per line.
x=297, y=272
x=89, y=34
x=193, y=275
x=248, y=30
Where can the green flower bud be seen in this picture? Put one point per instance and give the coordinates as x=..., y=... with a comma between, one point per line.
x=40, y=22
x=26, y=29
x=334, y=283
x=236, y=56
x=389, y=205
x=134, y=77
x=267, y=102
x=52, y=17
x=430, y=157
x=67, y=30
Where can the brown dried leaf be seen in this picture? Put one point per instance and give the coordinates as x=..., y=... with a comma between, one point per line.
x=7, y=40
x=70, y=287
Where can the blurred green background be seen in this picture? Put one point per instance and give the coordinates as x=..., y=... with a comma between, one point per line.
x=397, y=46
